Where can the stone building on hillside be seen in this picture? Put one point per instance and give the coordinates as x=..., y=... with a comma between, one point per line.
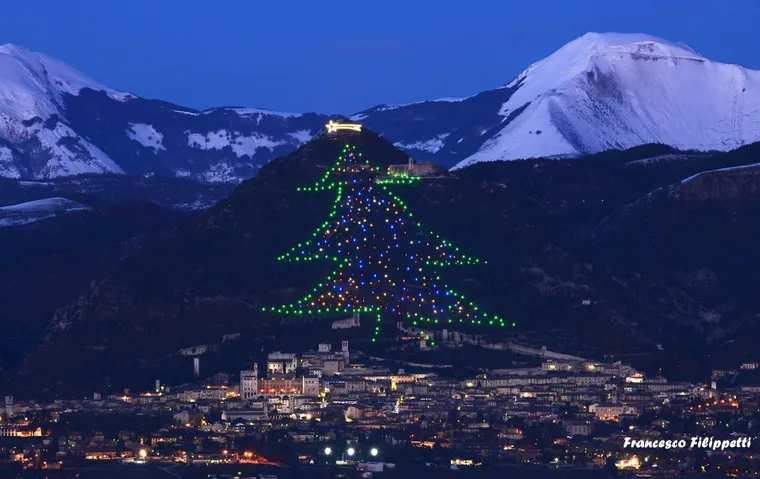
x=415, y=169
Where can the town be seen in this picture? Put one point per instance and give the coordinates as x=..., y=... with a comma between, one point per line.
x=333, y=407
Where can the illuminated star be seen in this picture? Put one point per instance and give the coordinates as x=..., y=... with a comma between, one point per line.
x=333, y=127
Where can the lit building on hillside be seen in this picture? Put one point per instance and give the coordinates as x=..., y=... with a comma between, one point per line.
x=415, y=169
x=611, y=412
x=282, y=363
x=306, y=386
x=16, y=432
x=251, y=386
x=249, y=383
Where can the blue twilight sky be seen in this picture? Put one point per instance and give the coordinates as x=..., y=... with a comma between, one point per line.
x=343, y=56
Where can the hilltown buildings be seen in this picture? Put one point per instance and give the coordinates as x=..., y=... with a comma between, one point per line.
x=587, y=408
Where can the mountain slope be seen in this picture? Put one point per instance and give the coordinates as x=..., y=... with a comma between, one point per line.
x=616, y=91
x=598, y=92
x=52, y=261
x=218, y=145
x=211, y=275
x=32, y=89
x=31, y=211
x=54, y=121
x=699, y=233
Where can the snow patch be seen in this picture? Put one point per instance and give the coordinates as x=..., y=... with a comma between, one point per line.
x=146, y=135
x=257, y=111
x=242, y=145
x=657, y=159
x=729, y=168
x=69, y=154
x=450, y=99
x=194, y=206
x=301, y=136
x=35, y=183
x=69, y=160
x=433, y=145
x=7, y=167
x=359, y=116
x=46, y=204
x=219, y=173
x=7, y=222
x=31, y=211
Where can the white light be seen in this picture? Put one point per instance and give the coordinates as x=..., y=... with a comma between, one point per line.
x=328, y=451
x=373, y=451
x=351, y=451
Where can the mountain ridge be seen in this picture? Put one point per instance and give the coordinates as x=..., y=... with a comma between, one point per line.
x=615, y=91
x=597, y=92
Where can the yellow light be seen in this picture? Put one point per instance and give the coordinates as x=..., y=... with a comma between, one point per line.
x=333, y=127
x=630, y=463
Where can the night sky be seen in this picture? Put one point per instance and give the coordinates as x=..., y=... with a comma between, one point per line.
x=342, y=56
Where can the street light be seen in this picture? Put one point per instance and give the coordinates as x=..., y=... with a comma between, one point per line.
x=328, y=451
x=373, y=451
x=351, y=451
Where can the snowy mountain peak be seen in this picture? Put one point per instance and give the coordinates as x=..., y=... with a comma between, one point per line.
x=34, y=131
x=637, y=43
x=32, y=83
x=51, y=127
x=578, y=56
x=615, y=91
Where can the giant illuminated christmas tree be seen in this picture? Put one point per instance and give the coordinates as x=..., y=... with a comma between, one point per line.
x=386, y=262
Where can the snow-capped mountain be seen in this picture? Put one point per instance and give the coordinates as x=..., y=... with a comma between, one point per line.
x=616, y=91
x=32, y=92
x=598, y=92
x=54, y=121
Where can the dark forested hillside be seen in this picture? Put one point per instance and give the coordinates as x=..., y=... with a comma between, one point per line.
x=617, y=230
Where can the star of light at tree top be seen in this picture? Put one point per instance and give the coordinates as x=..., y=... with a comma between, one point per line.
x=333, y=127
x=385, y=262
